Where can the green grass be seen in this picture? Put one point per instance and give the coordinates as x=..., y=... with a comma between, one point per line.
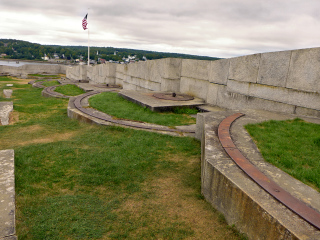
x=50, y=83
x=6, y=79
x=69, y=90
x=112, y=104
x=44, y=76
x=293, y=146
x=80, y=181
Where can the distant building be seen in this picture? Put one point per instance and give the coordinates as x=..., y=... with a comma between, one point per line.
x=3, y=55
x=46, y=58
x=101, y=60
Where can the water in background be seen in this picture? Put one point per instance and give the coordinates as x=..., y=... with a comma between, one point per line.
x=20, y=63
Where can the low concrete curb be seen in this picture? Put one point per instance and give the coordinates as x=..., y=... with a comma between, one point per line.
x=7, y=196
x=49, y=92
x=243, y=203
x=5, y=109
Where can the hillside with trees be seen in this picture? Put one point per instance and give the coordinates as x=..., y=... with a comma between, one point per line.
x=17, y=49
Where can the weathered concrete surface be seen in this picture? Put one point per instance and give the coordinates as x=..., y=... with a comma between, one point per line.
x=7, y=195
x=197, y=69
x=194, y=87
x=26, y=69
x=147, y=99
x=245, y=68
x=7, y=93
x=219, y=71
x=243, y=202
x=274, y=68
x=5, y=109
x=304, y=72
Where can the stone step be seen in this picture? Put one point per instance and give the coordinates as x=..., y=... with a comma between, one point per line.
x=7, y=195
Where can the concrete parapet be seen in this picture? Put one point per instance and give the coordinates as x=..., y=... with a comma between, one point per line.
x=243, y=203
x=274, y=68
x=219, y=71
x=235, y=101
x=245, y=68
x=277, y=94
x=26, y=69
x=194, y=87
x=7, y=195
x=284, y=81
x=197, y=69
x=304, y=71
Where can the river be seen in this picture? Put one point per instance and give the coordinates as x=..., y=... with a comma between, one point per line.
x=17, y=63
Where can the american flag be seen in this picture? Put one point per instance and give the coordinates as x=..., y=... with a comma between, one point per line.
x=84, y=22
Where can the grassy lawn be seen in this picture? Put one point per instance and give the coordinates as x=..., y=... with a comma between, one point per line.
x=112, y=104
x=50, y=83
x=293, y=146
x=69, y=90
x=80, y=181
x=44, y=76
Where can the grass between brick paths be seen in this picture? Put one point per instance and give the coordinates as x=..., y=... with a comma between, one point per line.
x=69, y=90
x=113, y=104
x=44, y=76
x=292, y=145
x=50, y=83
x=79, y=181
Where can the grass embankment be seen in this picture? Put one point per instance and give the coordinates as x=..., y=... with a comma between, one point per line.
x=293, y=146
x=80, y=181
x=113, y=104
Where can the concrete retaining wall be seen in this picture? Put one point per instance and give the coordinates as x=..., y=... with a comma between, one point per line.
x=287, y=81
x=26, y=69
x=243, y=203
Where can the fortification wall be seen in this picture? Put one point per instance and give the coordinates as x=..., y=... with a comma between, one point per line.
x=287, y=81
x=26, y=69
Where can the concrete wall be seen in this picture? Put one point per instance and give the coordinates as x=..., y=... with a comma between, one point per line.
x=26, y=69
x=287, y=81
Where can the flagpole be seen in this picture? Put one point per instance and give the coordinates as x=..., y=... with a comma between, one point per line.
x=88, y=45
x=88, y=49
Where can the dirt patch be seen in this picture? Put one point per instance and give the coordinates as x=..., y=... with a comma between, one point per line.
x=48, y=139
x=172, y=201
x=13, y=117
x=32, y=128
x=22, y=80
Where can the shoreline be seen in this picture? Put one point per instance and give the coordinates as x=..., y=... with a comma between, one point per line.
x=33, y=61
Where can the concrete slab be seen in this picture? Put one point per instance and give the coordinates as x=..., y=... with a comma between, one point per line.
x=146, y=99
x=5, y=109
x=7, y=195
x=7, y=93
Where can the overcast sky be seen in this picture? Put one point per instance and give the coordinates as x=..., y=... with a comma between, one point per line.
x=217, y=28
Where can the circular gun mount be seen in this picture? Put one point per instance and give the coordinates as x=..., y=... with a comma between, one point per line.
x=173, y=96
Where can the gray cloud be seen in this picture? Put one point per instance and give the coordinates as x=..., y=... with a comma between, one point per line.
x=221, y=28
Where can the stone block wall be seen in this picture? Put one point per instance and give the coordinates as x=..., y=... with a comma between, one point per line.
x=287, y=81
x=26, y=69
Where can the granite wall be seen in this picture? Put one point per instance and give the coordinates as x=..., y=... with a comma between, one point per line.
x=26, y=69
x=287, y=81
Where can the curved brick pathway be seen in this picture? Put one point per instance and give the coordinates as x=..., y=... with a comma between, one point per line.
x=93, y=113
x=284, y=197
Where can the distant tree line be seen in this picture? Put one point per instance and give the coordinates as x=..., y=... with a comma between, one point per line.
x=17, y=49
